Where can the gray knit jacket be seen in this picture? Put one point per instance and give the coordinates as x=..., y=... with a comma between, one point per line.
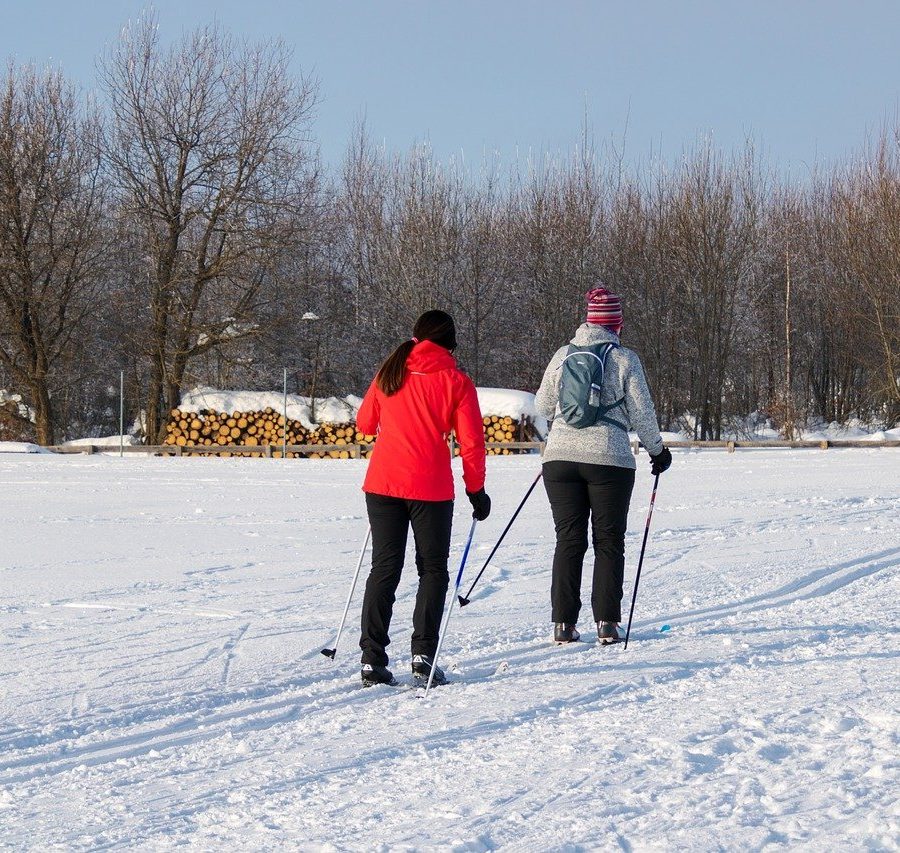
x=602, y=444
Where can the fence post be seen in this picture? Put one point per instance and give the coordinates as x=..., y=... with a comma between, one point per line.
x=284, y=430
x=121, y=413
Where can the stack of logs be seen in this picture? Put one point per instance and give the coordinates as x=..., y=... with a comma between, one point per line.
x=266, y=428
x=261, y=429
x=504, y=428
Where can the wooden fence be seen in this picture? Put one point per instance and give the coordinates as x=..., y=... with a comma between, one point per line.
x=355, y=450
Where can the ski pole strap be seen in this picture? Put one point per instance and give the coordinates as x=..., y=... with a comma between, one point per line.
x=465, y=599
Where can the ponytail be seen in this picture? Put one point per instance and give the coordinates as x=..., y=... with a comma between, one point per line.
x=435, y=326
x=389, y=378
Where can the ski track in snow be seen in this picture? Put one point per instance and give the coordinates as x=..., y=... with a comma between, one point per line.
x=162, y=682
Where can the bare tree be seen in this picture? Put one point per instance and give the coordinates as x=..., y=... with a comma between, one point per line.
x=775, y=343
x=557, y=219
x=210, y=155
x=714, y=232
x=404, y=232
x=866, y=206
x=51, y=231
x=637, y=260
x=483, y=273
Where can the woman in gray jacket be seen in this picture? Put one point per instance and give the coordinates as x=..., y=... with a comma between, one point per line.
x=588, y=464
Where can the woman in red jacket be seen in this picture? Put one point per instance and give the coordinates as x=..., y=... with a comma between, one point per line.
x=418, y=396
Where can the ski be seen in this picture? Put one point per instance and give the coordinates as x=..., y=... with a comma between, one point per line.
x=418, y=685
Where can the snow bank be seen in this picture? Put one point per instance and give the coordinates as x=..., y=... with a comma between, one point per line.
x=327, y=410
x=853, y=429
x=883, y=435
x=504, y=402
x=104, y=441
x=493, y=401
x=507, y=402
x=757, y=426
x=21, y=447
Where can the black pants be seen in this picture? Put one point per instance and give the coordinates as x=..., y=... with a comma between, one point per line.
x=390, y=519
x=578, y=493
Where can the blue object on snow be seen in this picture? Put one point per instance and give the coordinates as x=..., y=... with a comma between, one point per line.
x=666, y=628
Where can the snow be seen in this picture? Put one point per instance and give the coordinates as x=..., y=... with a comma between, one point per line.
x=757, y=426
x=505, y=402
x=502, y=402
x=112, y=441
x=161, y=624
x=328, y=410
x=883, y=435
x=854, y=429
x=493, y=401
x=21, y=447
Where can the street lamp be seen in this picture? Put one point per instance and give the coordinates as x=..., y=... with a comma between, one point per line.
x=312, y=318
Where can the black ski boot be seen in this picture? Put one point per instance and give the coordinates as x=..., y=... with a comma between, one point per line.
x=421, y=669
x=608, y=633
x=564, y=633
x=372, y=674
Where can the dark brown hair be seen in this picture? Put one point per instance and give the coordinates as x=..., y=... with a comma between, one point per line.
x=435, y=326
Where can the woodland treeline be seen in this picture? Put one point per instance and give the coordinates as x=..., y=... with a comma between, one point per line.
x=180, y=227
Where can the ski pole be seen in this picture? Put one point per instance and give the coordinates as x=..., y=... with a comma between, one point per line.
x=637, y=578
x=459, y=574
x=330, y=653
x=464, y=600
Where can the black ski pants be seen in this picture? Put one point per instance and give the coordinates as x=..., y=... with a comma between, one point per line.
x=580, y=493
x=390, y=519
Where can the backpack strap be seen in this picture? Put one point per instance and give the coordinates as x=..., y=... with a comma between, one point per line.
x=602, y=418
x=605, y=410
x=573, y=350
x=569, y=351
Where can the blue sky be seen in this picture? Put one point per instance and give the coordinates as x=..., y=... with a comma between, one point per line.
x=807, y=80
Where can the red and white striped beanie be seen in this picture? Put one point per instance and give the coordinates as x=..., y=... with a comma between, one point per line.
x=604, y=309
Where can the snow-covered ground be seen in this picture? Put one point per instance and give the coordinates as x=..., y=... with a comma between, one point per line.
x=161, y=622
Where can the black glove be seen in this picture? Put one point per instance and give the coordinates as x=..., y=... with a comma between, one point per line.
x=661, y=461
x=481, y=504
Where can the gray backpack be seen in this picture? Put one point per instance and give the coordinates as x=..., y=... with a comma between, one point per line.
x=580, y=384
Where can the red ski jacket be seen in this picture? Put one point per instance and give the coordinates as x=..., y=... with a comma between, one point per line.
x=411, y=458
